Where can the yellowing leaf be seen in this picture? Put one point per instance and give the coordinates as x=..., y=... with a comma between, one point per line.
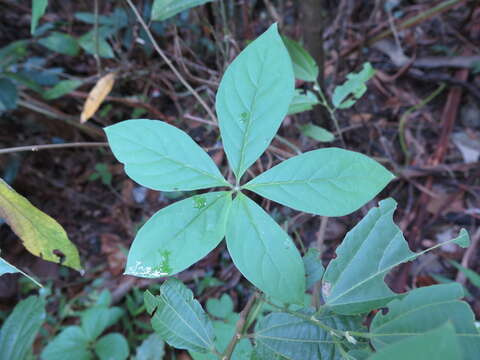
x=41, y=234
x=96, y=96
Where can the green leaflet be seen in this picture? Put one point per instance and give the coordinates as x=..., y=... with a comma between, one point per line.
x=96, y=319
x=347, y=94
x=302, y=102
x=304, y=66
x=317, y=133
x=62, y=88
x=294, y=338
x=7, y=268
x=8, y=95
x=263, y=252
x=313, y=267
x=113, y=346
x=179, y=235
x=38, y=9
x=354, y=281
x=179, y=319
x=20, y=328
x=162, y=157
x=439, y=344
x=152, y=348
x=425, y=309
x=60, y=43
x=164, y=9
x=88, y=42
x=253, y=98
x=72, y=341
x=220, y=308
x=328, y=182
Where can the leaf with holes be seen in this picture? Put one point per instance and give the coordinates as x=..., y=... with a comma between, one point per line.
x=162, y=157
x=354, y=281
x=263, y=252
x=179, y=319
x=328, y=182
x=41, y=234
x=179, y=235
x=347, y=94
x=253, y=98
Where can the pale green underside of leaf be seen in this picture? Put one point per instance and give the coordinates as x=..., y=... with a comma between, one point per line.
x=328, y=182
x=20, y=328
x=7, y=268
x=162, y=157
x=304, y=66
x=425, y=309
x=302, y=102
x=354, y=281
x=179, y=235
x=289, y=337
x=180, y=320
x=438, y=344
x=263, y=252
x=253, y=98
x=164, y=9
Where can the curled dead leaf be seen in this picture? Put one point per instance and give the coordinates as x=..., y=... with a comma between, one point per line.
x=96, y=96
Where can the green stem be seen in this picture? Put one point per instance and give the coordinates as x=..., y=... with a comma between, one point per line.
x=331, y=111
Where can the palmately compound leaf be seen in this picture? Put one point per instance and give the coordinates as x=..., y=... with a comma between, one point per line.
x=425, y=309
x=293, y=338
x=304, y=66
x=354, y=281
x=302, y=102
x=71, y=342
x=7, y=268
x=164, y=9
x=180, y=320
x=438, y=344
x=162, y=157
x=41, y=235
x=253, y=98
x=113, y=346
x=20, y=328
x=264, y=253
x=179, y=235
x=328, y=182
x=347, y=94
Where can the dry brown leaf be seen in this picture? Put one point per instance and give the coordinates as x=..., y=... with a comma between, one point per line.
x=96, y=96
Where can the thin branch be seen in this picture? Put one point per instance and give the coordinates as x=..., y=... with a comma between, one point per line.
x=51, y=146
x=169, y=63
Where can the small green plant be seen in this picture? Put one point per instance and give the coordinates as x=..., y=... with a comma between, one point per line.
x=81, y=342
x=253, y=98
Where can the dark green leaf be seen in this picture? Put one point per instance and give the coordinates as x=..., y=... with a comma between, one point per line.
x=60, y=43
x=72, y=341
x=164, y=9
x=304, y=66
x=62, y=88
x=8, y=95
x=38, y=9
x=21, y=327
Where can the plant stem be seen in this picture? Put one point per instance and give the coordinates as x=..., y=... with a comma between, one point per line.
x=169, y=63
x=241, y=327
x=51, y=146
x=331, y=111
